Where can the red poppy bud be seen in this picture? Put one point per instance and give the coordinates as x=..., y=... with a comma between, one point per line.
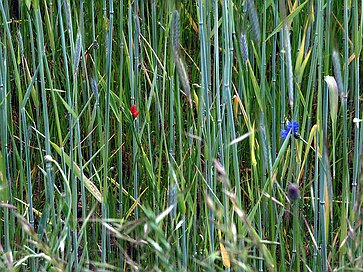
x=134, y=111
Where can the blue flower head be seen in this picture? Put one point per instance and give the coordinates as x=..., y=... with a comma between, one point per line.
x=292, y=126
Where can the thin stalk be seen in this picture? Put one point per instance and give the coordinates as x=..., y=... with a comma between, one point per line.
x=120, y=124
x=6, y=183
x=105, y=233
x=274, y=78
x=356, y=161
x=29, y=181
x=345, y=166
x=49, y=177
x=321, y=115
x=206, y=105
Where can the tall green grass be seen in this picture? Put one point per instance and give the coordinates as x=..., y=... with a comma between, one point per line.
x=200, y=179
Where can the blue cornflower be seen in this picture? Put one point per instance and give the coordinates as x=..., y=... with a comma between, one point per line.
x=292, y=126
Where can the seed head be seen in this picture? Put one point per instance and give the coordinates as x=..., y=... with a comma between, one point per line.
x=293, y=192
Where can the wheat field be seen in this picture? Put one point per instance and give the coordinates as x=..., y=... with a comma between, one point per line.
x=206, y=135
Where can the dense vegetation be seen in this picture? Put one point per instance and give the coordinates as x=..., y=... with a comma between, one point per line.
x=181, y=135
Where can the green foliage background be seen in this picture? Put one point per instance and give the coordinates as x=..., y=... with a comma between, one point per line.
x=200, y=179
